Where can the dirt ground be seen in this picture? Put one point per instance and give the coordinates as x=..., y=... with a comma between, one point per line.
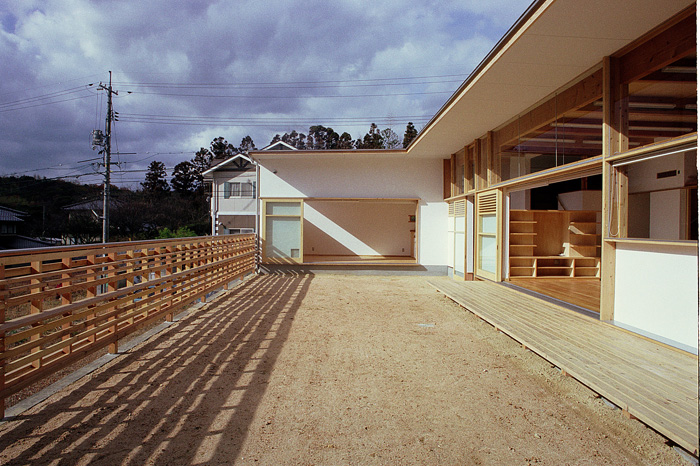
x=329, y=370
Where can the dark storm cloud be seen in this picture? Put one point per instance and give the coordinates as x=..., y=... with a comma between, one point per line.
x=230, y=54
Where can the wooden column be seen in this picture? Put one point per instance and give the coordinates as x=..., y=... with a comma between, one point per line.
x=614, y=209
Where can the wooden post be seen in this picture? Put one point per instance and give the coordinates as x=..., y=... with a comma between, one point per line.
x=3, y=362
x=66, y=298
x=91, y=292
x=614, y=210
x=112, y=286
x=37, y=305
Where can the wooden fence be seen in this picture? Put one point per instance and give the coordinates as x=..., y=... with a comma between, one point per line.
x=58, y=305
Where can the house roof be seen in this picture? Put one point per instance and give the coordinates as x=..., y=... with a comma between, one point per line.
x=227, y=162
x=554, y=43
x=95, y=204
x=11, y=215
x=279, y=145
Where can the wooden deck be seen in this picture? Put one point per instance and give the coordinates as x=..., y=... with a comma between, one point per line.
x=582, y=292
x=653, y=382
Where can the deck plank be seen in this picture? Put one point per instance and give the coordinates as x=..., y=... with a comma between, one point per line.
x=655, y=383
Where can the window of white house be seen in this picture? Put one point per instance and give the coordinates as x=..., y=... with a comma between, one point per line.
x=239, y=189
x=238, y=231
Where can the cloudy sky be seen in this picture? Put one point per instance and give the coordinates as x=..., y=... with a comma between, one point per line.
x=189, y=71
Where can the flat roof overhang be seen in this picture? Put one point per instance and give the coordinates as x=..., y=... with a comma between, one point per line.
x=554, y=43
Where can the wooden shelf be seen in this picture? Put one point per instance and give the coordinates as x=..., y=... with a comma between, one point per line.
x=554, y=244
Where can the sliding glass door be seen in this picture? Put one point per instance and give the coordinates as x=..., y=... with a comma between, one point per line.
x=282, y=231
x=488, y=247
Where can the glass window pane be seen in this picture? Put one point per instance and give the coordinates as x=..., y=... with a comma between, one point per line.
x=236, y=189
x=487, y=253
x=283, y=208
x=459, y=254
x=283, y=237
x=488, y=224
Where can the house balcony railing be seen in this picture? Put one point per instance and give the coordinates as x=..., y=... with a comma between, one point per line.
x=237, y=204
x=58, y=305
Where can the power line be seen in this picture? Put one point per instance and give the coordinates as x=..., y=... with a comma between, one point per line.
x=348, y=96
x=291, y=84
x=43, y=104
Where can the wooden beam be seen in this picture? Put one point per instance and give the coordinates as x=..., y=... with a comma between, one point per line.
x=584, y=92
x=494, y=162
x=446, y=178
x=675, y=41
x=481, y=164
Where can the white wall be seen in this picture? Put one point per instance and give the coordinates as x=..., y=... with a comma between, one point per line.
x=656, y=290
x=665, y=215
x=642, y=175
x=581, y=200
x=232, y=205
x=365, y=176
x=358, y=228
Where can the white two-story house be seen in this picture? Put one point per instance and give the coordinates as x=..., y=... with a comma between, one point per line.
x=233, y=195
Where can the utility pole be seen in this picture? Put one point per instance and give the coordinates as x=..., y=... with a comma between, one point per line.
x=107, y=158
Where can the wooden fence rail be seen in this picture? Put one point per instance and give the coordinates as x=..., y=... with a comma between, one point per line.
x=58, y=305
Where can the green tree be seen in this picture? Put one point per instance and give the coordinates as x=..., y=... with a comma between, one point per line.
x=184, y=180
x=322, y=138
x=409, y=135
x=294, y=139
x=390, y=139
x=201, y=163
x=155, y=182
x=372, y=140
x=181, y=232
x=345, y=141
x=222, y=149
x=247, y=145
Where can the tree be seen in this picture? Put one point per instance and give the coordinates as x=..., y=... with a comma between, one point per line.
x=201, y=163
x=222, y=149
x=372, y=140
x=409, y=135
x=294, y=139
x=345, y=141
x=390, y=139
x=184, y=180
x=322, y=138
x=247, y=145
x=155, y=182
x=181, y=232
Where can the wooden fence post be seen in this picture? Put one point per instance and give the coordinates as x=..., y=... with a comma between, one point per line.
x=91, y=292
x=3, y=361
x=112, y=286
x=37, y=305
x=61, y=294
x=66, y=297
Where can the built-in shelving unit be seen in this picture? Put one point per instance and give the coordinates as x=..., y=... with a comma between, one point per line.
x=554, y=243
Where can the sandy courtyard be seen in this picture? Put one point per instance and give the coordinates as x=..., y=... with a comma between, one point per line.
x=329, y=370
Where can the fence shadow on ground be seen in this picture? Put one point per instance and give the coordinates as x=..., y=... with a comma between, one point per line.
x=188, y=396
